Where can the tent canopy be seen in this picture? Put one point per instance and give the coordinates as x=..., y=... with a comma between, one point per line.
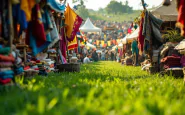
x=131, y=37
x=166, y=13
x=89, y=27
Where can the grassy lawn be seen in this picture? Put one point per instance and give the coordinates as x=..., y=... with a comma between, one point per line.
x=114, y=17
x=103, y=88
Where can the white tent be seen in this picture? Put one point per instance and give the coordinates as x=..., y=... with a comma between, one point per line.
x=124, y=40
x=132, y=36
x=90, y=45
x=89, y=27
x=166, y=13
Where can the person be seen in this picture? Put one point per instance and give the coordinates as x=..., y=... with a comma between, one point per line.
x=112, y=56
x=103, y=56
x=135, y=52
x=95, y=56
x=87, y=59
x=106, y=56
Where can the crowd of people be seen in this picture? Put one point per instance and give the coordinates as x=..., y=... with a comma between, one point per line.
x=111, y=32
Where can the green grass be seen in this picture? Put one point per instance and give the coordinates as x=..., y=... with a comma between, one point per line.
x=102, y=88
x=118, y=17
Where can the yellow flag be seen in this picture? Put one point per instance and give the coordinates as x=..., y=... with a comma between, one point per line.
x=109, y=43
x=102, y=42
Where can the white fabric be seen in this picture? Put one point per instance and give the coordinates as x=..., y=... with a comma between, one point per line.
x=181, y=45
x=86, y=60
x=133, y=35
x=90, y=45
x=89, y=27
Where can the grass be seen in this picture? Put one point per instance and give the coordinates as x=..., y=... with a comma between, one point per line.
x=118, y=17
x=102, y=88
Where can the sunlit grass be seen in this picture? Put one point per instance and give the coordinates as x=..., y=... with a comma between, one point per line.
x=103, y=88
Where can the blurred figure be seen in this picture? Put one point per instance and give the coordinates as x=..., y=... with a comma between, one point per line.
x=95, y=56
x=103, y=56
x=135, y=52
x=112, y=56
x=87, y=59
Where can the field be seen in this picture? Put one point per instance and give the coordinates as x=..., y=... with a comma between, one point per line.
x=102, y=88
x=114, y=17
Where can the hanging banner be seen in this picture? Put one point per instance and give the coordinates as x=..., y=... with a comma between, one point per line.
x=97, y=42
x=102, y=42
x=109, y=43
x=73, y=44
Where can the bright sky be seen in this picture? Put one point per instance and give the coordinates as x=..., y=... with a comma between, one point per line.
x=96, y=4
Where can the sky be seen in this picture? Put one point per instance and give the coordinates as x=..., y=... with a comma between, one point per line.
x=96, y=4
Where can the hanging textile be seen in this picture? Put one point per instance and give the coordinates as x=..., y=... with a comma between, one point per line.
x=54, y=32
x=26, y=6
x=73, y=44
x=73, y=22
x=141, y=37
x=35, y=34
x=56, y=6
x=156, y=34
x=4, y=19
x=181, y=16
x=19, y=17
x=151, y=29
x=63, y=43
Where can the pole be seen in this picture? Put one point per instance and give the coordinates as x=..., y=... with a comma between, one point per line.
x=10, y=24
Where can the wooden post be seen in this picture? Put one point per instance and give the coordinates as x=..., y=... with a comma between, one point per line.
x=10, y=24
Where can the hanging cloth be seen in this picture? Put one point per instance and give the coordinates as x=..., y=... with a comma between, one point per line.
x=4, y=19
x=26, y=6
x=73, y=22
x=54, y=32
x=56, y=6
x=19, y=17
x=181, y=16
x=141, y=37
x=35, y=34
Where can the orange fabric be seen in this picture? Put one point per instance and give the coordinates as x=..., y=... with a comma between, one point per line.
x=73, y=22
x=26, y=6
x=181, y=16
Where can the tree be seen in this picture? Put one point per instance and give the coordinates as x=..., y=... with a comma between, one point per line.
x=83, y=12
x=118, y=7
x=81, y=9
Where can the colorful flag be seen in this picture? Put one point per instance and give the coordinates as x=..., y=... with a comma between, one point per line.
x=73, y=22
x=97, y=42
x=109, y=43
x=73, y=44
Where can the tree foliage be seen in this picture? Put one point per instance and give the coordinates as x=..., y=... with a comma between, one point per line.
x=118, y=7
x=83, y=12
x=81, y=9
